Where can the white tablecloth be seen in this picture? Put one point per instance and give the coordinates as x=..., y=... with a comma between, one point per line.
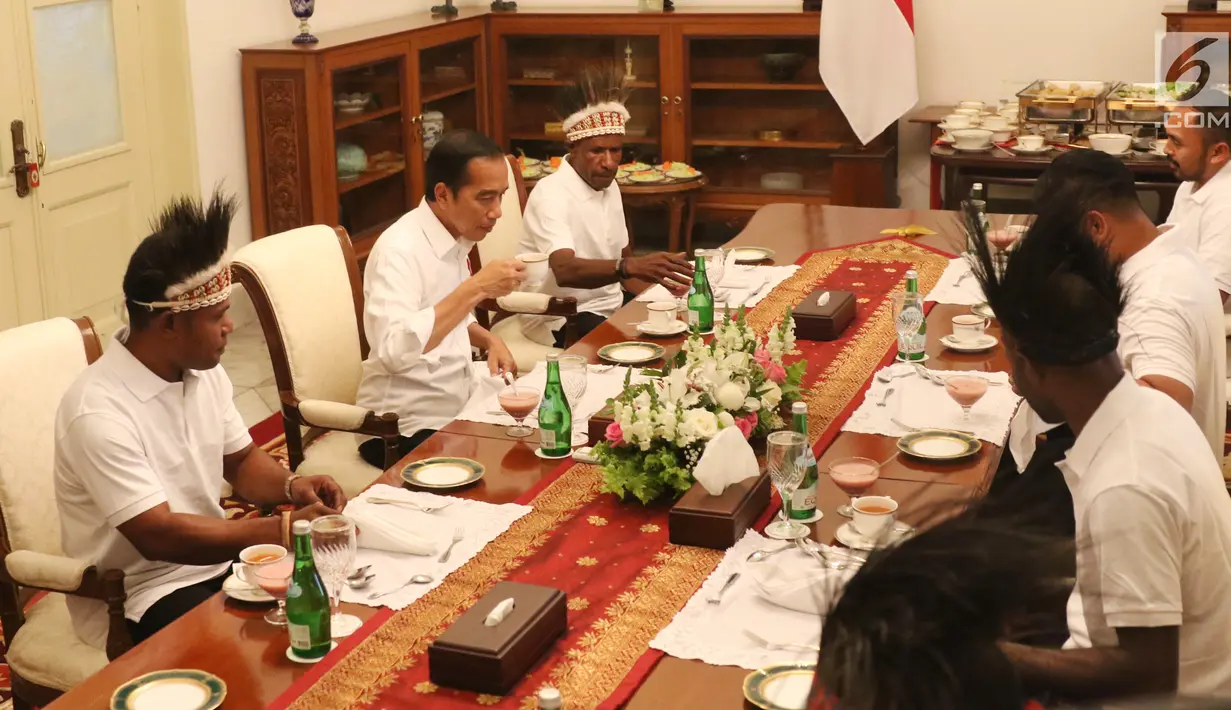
x=957, y=286
x=916, y=402
x=741, y=285
x=602, y=383
x=481, y=522
x=715, y=634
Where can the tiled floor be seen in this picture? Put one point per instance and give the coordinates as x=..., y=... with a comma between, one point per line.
x=246, y=361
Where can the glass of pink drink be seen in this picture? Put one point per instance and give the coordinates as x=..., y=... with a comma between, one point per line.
x=519, y=402
x=275, y=578
x=854, y=476
x=966, y=390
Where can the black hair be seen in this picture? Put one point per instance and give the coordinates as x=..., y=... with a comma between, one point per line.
x=916, y=627
x=1215, y=125
x=1090, y=178
x=449, y=161
x=186, y=238
x=1059, y=296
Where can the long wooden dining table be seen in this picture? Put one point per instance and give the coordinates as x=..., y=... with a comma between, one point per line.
x=232, y=641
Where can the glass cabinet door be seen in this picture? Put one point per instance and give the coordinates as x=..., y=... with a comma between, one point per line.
x=370, y=142
x=542, y=72
x=449, y=92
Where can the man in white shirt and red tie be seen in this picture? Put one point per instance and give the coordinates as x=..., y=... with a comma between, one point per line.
x=576, y=216
x=419, y=295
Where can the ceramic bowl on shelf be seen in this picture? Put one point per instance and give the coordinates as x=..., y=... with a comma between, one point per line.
x=972, y=138
x=782, y=182
x=1111, y=143
x=352, y=160
x=783, y=66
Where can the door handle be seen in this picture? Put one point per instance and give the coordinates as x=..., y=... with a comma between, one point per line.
x=42, y=153
x=21, y=165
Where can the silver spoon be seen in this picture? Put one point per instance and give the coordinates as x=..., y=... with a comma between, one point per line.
x=885, y=399
x=359, y=573
x=761, y=555
x=360, y=582
x=417, y=579
x=716, y=598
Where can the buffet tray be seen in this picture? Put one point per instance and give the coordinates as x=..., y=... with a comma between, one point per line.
x=1051, y=101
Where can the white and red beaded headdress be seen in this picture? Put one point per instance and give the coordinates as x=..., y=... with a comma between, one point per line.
x=605, y=119
x=208, y=287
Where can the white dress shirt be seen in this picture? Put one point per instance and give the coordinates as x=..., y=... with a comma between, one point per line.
x=564, y=212
x=1153, y=534
x=126, y=441
x=414, y=265
x=1207, y=212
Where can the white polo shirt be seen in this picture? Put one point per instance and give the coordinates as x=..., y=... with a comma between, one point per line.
x=414, y=265
x=126, y=441
x=1153, y=533
x=1208, y=213
x=564, y=212
x=1173, y=326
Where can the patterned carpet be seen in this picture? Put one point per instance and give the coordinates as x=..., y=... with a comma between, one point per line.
x=269, y=436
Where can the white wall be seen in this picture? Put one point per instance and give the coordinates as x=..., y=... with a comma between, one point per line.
x=967, y=49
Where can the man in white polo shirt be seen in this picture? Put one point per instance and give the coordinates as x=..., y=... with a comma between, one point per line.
x=1199, y=146
x=147, y=434
x=1150, y=612
x=577, y=217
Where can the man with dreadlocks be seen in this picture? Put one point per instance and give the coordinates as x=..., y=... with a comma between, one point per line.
x=577, y=217
x=147, y=434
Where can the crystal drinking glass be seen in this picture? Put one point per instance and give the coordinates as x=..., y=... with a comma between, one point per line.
x=574, y=372
x=787, y=465
x=519, y=403
x=907, y=317
x=275, y=578
x=715, y=267
x=854, y=476
x=333, y=551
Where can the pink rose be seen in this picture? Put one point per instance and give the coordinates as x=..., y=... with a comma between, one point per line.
x=746, y=424
x=762, y=357
x=776, y=372
x=615, y=434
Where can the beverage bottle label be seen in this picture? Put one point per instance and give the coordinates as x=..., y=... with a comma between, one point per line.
x=548, y=440
x=301, y=636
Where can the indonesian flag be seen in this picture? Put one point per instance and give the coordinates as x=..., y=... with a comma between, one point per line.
x=868, y=61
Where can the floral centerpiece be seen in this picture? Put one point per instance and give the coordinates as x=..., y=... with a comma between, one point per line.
x=662, y=426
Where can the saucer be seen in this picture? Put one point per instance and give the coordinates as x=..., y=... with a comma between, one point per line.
x=849, y=536
x=539, y=452
x=984, y=149
x=1027, y=151
x=238, y=590
x=984, y=342
x=899, y=358
x=812, y=519
x=982, y=309
x=291, y=655
x=677, y=327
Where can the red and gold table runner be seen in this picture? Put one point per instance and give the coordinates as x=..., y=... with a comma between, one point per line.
x=624, y=580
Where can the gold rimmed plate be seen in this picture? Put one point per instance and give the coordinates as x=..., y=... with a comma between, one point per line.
x=782, y=686
x=751, y=255
x=939, y=445
x=983, y=310
x=631, y=353
x=182, y=688
x=442, y=472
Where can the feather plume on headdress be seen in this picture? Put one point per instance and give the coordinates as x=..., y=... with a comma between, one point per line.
x=596, y=103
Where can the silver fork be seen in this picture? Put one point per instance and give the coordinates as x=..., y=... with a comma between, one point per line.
x=915, y=428
x=774, y=646
x=409, y=504
x=458, y=534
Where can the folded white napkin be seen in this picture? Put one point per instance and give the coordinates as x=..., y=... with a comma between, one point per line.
x=957, y=286
x=1024, y=432
x=601, y=384
x=727, y=459
x=391, y=528
x=524, y=302
x=740, y=285
x=796, y=581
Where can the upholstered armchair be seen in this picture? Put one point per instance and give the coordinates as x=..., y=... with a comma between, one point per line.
x=306, y=289
x=38, y=362
x=502, y=316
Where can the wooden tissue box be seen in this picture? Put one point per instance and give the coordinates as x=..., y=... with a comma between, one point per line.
x=493, y=659
x=813, y=322
x=598, y=424
x=717, y=522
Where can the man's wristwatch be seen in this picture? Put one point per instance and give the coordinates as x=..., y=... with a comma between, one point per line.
x=620, y=268
x=286, y=488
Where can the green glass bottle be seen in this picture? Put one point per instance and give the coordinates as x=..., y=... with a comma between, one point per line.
x=700, y=299
x=307, y=602
x=555, y=417
x=978, y=200
x=803, y=502
x=918, y=346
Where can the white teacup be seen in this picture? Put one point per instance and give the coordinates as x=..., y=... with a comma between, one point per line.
x=968, y=328
x=957, y=120
x=256, y=556
x=977, y=105
x=974, y=114
x=874, y=515
x=996, y=123
x=662, y=315
x=536, y=269
x=1030, y=142
x=1159, y=146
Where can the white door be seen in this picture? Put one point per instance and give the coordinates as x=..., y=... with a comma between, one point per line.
x=80, y=78
x=20, y=300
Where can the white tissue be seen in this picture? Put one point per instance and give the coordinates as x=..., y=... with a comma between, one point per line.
x=500, y=613
x=727, y=459
x=823, y=299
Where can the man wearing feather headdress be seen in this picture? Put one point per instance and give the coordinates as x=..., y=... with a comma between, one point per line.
x=577, y=217
x=147, y=434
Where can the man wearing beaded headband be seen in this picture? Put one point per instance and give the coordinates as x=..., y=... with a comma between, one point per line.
x=577, y=217
x=147, y=434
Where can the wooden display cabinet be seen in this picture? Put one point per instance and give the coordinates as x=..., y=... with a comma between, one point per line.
x=703, y=94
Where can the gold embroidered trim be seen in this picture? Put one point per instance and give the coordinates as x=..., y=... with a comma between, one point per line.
x=373, y=665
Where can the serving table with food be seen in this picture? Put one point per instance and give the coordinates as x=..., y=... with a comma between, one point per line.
x=612, y=613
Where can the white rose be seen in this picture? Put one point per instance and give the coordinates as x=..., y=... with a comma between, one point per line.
x=772, y=395
x=704, y=423
x=729, y=396
x=752, y=404
x=726, y=420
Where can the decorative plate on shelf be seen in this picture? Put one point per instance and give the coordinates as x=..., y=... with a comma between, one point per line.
x=182, y=688
x=442, y=472
x=636, y=167
x=647, y=176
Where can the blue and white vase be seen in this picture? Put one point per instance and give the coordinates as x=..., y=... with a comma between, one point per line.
x=303, y=9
